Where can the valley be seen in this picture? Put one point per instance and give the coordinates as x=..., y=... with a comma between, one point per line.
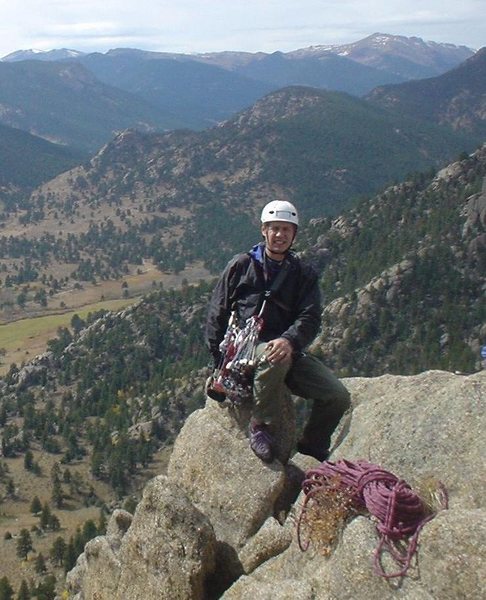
x=25, y=331
x=109, y=264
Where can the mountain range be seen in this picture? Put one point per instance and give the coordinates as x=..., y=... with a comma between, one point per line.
x=409, y=58
x=166, y=197
x=183, y=196
x=442, y=99
x=157, y=91
x=66, y=104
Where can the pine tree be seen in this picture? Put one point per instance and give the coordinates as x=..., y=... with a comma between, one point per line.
x=78, y=542
x=89, y=530
x=35, y=505
x=24, y=544
x=10, y=487
x=54, y=523
x=57, y=495
x=58, y=551
x=70, y=556
x=24, y=592
x=6, y=590
x=40, y=564
x=45, y=517
x=28, y=460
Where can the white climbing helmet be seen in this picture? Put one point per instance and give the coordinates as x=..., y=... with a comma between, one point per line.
x=280, y=210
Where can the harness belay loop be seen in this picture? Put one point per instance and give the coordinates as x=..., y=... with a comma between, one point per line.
x=238, y=350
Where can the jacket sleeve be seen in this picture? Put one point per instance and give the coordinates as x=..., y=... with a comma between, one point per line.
x=220, y=309
x=307, y=313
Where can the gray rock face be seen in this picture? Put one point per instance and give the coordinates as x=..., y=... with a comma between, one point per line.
x=270, y=540
x=211, y=456
x=418, y=427
x=208, y=530
x=428, y=425
x=213, y=463
x=166, y=552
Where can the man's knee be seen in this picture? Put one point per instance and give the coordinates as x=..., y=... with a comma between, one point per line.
x=343, y=397
x=274, y=371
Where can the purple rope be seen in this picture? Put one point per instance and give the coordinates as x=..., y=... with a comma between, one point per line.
x=399, y=510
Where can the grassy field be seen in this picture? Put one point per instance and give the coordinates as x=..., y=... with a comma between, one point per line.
x=26, y=338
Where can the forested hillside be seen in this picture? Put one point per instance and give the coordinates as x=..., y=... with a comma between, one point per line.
x=109, y=376
x=456, y=98
x=179, y=197
x=81, y=426
x=404, y=276
x=26, y=161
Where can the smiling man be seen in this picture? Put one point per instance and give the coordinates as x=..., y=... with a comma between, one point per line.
x=291, y=320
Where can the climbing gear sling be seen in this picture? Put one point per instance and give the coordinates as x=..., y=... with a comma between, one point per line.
x=233, y=377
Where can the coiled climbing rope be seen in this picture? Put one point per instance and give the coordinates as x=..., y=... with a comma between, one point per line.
x=399, y=511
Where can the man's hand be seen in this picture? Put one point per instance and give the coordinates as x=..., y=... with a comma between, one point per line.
x=279, y=350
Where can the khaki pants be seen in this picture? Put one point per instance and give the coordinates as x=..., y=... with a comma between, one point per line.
x=308, y=378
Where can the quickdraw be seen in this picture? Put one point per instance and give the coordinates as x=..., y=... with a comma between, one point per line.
x=234, y=376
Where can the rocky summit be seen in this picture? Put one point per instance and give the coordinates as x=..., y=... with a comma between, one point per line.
x=221, y=524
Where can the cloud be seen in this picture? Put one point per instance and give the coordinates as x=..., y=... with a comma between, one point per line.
x=212, y=25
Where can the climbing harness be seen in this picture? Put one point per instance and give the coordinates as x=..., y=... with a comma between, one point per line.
x=399, y=511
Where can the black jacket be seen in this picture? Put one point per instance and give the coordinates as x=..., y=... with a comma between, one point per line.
x=294, y=313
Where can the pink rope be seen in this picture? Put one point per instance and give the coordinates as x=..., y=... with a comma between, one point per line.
x=400, y=512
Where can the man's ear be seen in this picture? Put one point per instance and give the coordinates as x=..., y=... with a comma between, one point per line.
x=263, y=229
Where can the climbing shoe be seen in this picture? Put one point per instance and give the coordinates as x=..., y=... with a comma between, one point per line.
x=261, y=442
x=321, y=454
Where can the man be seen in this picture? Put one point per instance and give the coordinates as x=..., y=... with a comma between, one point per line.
x=291, y=319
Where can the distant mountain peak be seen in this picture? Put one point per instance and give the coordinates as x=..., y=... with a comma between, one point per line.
x=377, y=40
x=33, y=54
x=404, y=56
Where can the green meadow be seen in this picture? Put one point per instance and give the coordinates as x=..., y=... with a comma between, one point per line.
x=23, y=339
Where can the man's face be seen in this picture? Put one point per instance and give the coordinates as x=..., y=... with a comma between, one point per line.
x=279, y=236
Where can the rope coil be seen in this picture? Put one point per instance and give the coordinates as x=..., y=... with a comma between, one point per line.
x=399, y=511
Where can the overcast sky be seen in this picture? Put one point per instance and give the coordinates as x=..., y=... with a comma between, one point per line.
x=216, y=25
